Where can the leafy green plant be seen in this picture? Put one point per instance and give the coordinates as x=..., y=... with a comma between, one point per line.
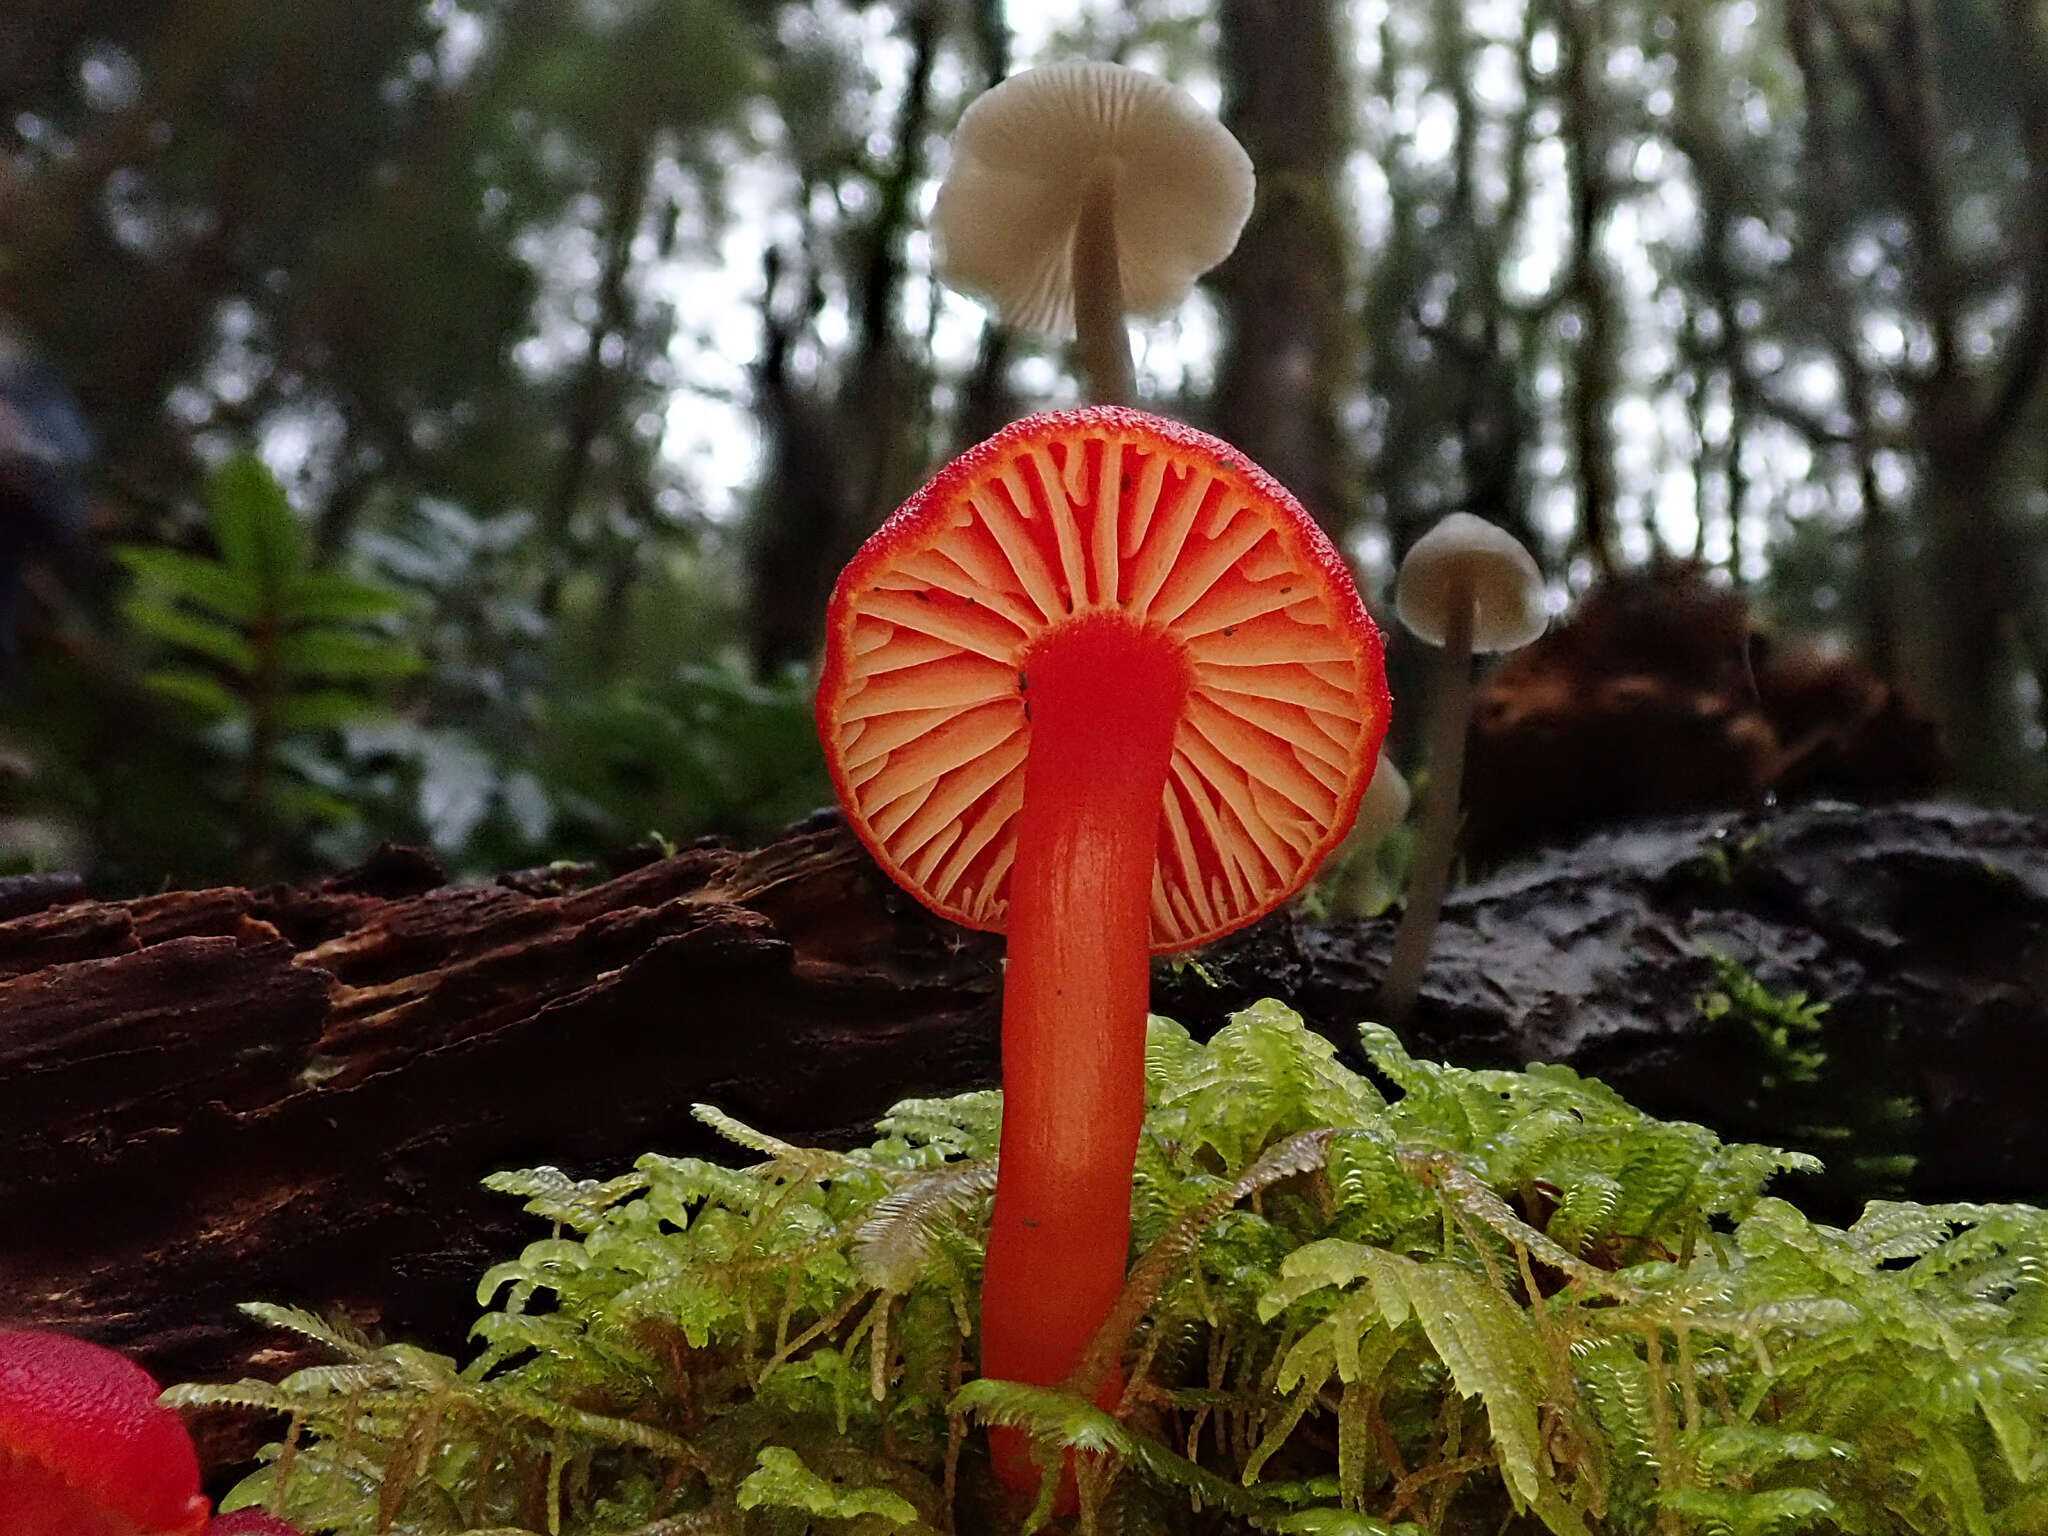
x=269, y=647
x=1805, y=1088
x=707, y=750
x=1789, y=1025
x=1491, y=1302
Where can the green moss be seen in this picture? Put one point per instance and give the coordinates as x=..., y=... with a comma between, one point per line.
x=1501, y=1301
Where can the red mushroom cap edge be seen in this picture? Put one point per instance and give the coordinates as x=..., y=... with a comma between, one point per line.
x=908, y=574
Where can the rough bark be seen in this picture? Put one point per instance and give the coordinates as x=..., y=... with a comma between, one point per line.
x=291, y=1094
x=211, y=1096
x=1292, y=350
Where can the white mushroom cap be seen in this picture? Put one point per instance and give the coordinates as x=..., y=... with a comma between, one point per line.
x=1506, y=587
x=1385, y=805
x=1025, y=155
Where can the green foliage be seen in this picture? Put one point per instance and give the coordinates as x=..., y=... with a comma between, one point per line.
x=1364, y=877
x=1789, y=1026
x=268, y=645
x=1495, y=1301
x=1813, y=1085
x=708, y=751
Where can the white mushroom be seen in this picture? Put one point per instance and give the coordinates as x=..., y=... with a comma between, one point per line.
x=1384, y=806
x=1501, y=589
x=1081, y=191
x=1358, y=892
x=1466, y=586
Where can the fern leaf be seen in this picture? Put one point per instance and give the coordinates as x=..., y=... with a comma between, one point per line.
x=259, y=534
x=262, y=1396
x=892, y=1245
x=1488, y=1346
x=1156, y=1267
x=345, y=655
x=1339, y=1522
x=324, y=597
x=208, y=585
x=1061, y=1421
x=335, y=1334
x=196, y=690
x=190, y=631
x=320, y=709
x=782, y=1481
x=742, y=1135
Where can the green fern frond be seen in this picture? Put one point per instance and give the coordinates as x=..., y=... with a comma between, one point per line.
x=783, y=1481
x=1061, y=1421
x=336, y=1334
x=893, y=1245
x=1508, y=1299
x=770, y=1147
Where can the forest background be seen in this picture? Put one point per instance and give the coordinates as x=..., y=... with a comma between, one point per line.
x=584, y=339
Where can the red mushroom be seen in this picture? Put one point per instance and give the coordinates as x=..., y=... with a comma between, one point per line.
x=250, y=1522
x=85, y=1449
x=1104, y=686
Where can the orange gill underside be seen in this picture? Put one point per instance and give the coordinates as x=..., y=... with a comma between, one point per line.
x=932, y=716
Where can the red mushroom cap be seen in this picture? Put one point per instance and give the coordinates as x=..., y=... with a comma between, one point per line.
x=250, y=1522
x=84, y=1444
x=924, y=703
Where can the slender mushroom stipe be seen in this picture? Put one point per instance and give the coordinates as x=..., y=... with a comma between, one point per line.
x=1104, y=686
x=1100, y=333
x=1466, y=586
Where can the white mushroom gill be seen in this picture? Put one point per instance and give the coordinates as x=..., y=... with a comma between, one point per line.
x=1082, y=191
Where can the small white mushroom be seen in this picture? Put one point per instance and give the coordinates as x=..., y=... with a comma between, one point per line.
x=1467, y=566
x=1385, y=805
x=1081, y=191
x=1383, y=808
x=1466, y=586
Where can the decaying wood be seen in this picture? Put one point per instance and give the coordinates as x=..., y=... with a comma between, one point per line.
x=291, y=1094
x=1662, y=692
x=212, y=1096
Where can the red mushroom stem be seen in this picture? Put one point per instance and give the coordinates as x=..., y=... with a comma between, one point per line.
x=1105, y=697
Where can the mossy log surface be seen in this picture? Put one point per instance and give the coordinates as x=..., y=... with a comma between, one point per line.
x=291, y=1093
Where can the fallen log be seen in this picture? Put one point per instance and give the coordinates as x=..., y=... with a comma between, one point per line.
x=291, y=1093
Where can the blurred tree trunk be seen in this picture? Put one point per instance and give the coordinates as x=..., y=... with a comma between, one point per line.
x=1824, y=164
x=1482, y=337
x=1589, y=286
x=1291, y=352
x=800, y=509
x=986, y=400
x=882, y=401
x=1716, y=348
x=836, y=464
x=594, y=396
x=1970, y=405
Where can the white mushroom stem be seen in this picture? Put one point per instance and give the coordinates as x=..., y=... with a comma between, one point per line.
x=1431, y=876
x=1104, y=342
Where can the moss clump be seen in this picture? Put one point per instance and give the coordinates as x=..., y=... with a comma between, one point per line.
x=1492, y=1301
